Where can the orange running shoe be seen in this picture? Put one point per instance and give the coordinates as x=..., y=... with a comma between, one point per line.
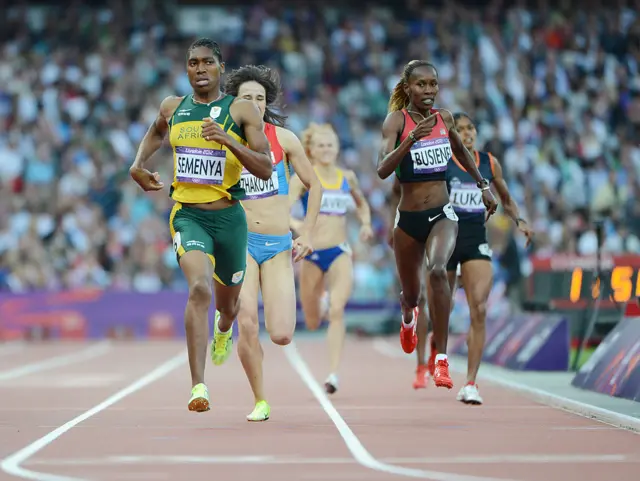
x=408, y=334
x=422, y=377
x=431, y=362
x=441, y=375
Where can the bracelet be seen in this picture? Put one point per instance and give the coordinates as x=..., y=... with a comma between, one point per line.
x=483, y=185
x=412, y=137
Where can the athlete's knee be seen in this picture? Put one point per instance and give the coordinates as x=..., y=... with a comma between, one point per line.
x=438, y=275
x=336, y=312
x=248, y=321
x=478, y=311
x=281, y=338
x=200, y=291
x=248, y=328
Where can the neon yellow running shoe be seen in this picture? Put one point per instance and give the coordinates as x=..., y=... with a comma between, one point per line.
x=260, y=413
x=222, y=343
x=199, y=401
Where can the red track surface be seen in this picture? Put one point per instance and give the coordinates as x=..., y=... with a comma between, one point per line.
x=151, y=435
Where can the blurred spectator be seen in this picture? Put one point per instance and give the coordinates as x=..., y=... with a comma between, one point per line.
x=554, y=90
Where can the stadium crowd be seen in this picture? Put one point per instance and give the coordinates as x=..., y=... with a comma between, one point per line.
x=555, y=94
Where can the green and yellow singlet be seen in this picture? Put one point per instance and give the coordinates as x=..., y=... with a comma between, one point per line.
x=204, y=171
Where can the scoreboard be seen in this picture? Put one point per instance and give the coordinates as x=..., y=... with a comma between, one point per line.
x=568, y=284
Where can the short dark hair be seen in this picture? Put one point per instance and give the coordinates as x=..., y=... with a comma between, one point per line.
x=270, y=81
x=208, y=43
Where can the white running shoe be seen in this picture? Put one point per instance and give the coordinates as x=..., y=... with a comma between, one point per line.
x=469, y=394
x=331, y=384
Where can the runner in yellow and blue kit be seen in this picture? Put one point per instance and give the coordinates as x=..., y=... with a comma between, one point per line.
x=331, y=259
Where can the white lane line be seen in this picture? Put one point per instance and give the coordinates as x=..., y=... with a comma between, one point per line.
x=48, y=364
x=588, y=411
x=154, y=460
x=358, y=451
x=11, y=464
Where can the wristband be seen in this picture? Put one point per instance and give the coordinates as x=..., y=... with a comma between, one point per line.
x=483, y=184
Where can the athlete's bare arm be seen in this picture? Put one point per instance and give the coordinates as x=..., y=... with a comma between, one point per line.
x=508, y=203
x=395, y=196
x=304, y=174
x=296, y=189
x=256, y=157
x=467, y=160
x=460, y=152
x=394, y=201
x=362, y=206
x=390, y=156
x=150, y=144
x=157, y=131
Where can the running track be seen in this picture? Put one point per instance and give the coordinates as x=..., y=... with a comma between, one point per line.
x=122, y=409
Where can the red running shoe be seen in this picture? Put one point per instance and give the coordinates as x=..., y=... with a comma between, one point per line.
x=441, y=375
x=422, y=377
x=431, y=362
x=408, y=334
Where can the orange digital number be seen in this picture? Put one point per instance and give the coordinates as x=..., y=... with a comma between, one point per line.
x=576, y=285
x=621, y=283
x=595, y=289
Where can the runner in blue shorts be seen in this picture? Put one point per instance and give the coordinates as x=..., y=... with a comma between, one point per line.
x=270, y=243
x=331, y=262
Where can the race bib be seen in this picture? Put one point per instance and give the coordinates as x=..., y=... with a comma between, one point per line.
x=485, y=250
x=335, y=202
x=466, y=198
x=200, y=166
x=257, y=188
x=177, y=242
x=450, y=212
x=430, y=155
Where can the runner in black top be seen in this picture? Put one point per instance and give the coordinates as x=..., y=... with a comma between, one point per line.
x=472, y=252
x=418, y=142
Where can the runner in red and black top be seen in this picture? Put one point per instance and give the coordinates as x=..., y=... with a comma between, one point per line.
x=425, y=368
x=472, y=252
x=418, y=142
